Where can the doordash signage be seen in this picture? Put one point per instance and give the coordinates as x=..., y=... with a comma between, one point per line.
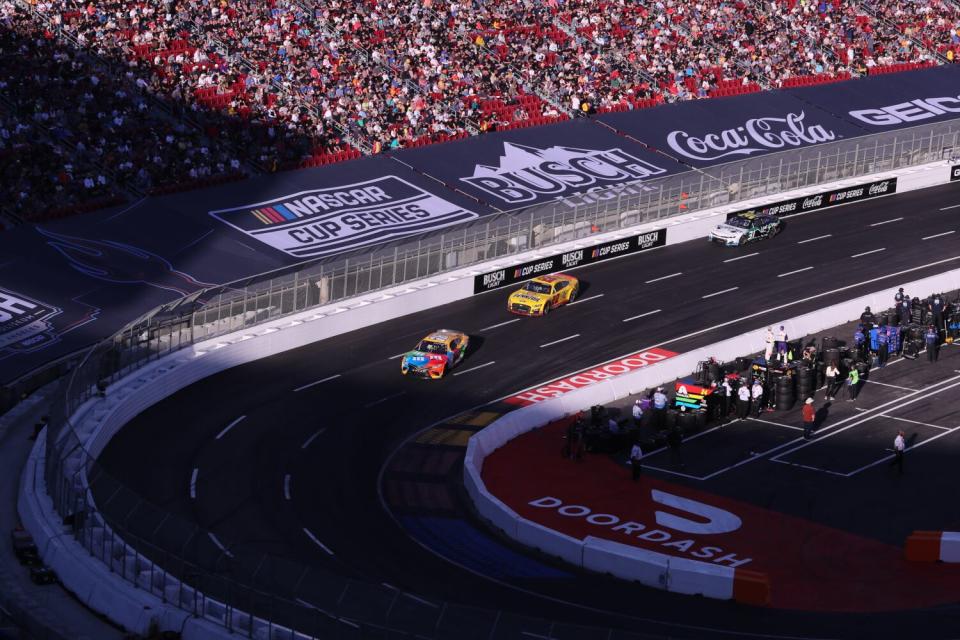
x=591, y=376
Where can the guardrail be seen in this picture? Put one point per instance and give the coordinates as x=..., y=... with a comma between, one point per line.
x=235, y=593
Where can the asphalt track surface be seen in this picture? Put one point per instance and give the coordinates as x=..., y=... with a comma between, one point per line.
x=281, y=457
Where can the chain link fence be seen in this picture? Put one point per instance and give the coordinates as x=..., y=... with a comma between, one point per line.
x=264, y=596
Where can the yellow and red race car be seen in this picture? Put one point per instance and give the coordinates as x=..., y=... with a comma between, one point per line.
x=439, y=351
x=538, y=296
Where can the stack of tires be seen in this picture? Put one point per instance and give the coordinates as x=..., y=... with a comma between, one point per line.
x=786, y=393
x=806, y=382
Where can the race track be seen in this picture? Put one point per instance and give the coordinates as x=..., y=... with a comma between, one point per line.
x=281, y=457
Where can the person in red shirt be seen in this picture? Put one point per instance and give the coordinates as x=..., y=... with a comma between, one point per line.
x=809, y=415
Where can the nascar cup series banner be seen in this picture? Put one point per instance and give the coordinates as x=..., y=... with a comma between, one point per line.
x=568, y=260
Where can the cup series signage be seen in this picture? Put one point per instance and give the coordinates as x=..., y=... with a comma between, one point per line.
x=786, y=208
x=569, y=260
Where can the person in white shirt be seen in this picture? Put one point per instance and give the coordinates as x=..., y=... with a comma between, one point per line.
x=743, y=400
x=636, y=453
x=833, y=380
x=756, y=394
x=726, y=395
x=899, y=445
x=768, y=352
x=637, y=412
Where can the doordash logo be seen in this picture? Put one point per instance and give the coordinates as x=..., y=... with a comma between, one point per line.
x=698, y=519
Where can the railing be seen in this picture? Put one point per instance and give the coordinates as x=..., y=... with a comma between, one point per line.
x=260, y=595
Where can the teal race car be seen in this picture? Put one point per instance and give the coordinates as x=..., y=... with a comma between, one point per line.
x=743, y=228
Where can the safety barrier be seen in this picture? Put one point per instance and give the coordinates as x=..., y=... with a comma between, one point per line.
x=933, y=546
x=680, y=575
x=163, y=599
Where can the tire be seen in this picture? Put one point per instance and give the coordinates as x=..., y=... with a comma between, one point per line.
x=573, y=295
x=546, y=308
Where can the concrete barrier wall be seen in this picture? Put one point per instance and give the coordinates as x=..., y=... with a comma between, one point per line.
x=98, y=420
x=682, y=575
x=933, y=546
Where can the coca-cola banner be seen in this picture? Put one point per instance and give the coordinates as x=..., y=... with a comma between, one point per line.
x=893, y=101
x=702, y=133
x=803, y=204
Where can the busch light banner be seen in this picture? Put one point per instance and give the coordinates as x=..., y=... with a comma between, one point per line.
x=893, y=101
x=794, y=206
x=702, y=133
x=526, y=167
x=955, y=172
x=568, y=260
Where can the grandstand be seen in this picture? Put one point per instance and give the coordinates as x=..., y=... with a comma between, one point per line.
x=109, y=102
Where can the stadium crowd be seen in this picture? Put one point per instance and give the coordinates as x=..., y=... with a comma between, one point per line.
x=148, y=95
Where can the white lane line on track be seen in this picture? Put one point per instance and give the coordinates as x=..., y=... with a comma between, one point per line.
x=576, y=335
x=479, y=366
x=717, y=293
x=217, y=542
x=411, y=596
x=193, y=483
x=867, y=253
x=316, y=541
x=749, y=255
x=313, y=384
x=790, y=273
x=599, y=295
x=286, y=486
x=829, y=235
x=909, y=448
x=642, y=315
x=877, y=224
x=501, y=324
x=870, y=414
x=382, y=400
x=887, y=384
x=925, y=424
x=938, y=235
x=953, y=206
x=310, y=440
x=226, y=429
x=672, y=275
x=399, y=355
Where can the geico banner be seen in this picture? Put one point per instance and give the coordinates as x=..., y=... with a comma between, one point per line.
x=525, y=167
x=794, y=206
x=568, y=260
x=955, y=172
x=702, y=133
x=892, y=101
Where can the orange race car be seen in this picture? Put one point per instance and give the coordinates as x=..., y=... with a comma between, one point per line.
x=538, y=296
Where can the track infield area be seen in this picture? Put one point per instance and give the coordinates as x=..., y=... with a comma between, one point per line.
x=826, y=519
